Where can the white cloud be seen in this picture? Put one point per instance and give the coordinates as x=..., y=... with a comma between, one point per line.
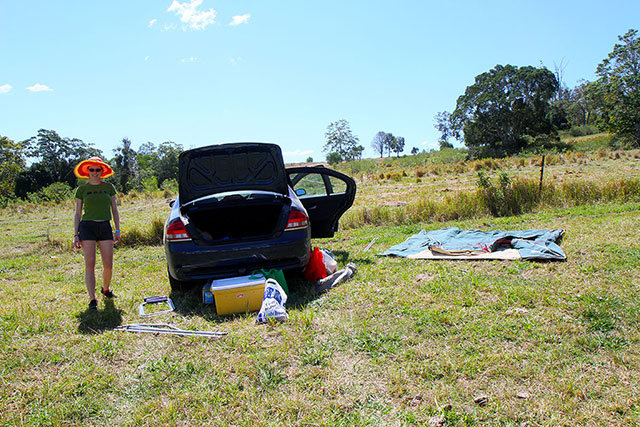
x=146, y=58
x=190, y=59
x=5, y=88
x=39, y=88
x=153, y=21
x=190, y=16
x=240, y=19
x=235, y=60
x=298, y=152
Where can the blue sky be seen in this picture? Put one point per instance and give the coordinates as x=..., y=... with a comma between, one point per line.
x=198, y=72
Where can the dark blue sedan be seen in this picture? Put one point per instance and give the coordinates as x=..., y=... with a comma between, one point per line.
x=239, y=210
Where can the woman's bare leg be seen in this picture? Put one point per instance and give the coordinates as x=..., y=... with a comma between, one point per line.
x=106, y=252
x=89, y=251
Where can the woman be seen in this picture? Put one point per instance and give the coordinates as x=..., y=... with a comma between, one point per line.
x=98, y=201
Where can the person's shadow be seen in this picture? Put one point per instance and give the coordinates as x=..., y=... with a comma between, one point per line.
x=98, y=321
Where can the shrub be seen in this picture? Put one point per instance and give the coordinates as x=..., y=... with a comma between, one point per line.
x=506, y=198
x=170, y=185
x=334, y=158
x=582, y=130
x=150, y=184
x=54, y=193
x=6, y=201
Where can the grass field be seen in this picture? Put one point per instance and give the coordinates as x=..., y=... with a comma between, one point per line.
x=404, y=342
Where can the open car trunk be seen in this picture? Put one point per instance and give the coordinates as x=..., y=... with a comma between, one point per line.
x=229, y=168
x=242, y=216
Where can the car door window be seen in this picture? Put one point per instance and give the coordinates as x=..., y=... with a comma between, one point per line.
x=318, y=185
x=338, y=186
x=326, y=194
x=312, y=184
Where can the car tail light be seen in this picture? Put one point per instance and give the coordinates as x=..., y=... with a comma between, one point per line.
x=176, y=231
x=297, y=220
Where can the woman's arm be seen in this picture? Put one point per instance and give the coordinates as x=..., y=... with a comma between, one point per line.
x=116, y=219
x=76, y=223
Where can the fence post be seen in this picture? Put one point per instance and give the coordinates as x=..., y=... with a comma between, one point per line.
x=541, y=175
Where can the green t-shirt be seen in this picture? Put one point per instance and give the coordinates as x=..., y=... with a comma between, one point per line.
x=96, y=201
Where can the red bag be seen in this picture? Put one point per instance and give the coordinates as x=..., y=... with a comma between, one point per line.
x=315, y=269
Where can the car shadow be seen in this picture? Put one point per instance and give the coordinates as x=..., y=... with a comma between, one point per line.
x=97, y=321
x=301, y=292
x=190, y=302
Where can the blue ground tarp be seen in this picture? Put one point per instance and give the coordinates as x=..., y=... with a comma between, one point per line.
x=452, y=243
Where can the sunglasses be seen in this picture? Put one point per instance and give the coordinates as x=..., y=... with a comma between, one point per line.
x=95, y=170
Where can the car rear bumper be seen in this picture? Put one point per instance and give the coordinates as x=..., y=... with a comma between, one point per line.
x=189, y=261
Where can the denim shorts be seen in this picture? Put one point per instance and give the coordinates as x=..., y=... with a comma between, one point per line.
x=95, y=230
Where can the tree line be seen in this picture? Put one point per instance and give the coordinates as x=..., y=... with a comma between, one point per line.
x=509, y=109
x=53, y=158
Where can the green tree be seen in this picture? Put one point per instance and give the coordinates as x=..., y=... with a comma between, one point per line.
x=443, y=124
x=55, y=158
x=619, y=78
x=146, y=157
x=397, y=145
x=444, y=144
x=356, y=152
x=415, y=150
x=388, y=142
x=309, y=159
x=333, y=158
x=503, y=106
x=165, y=166
x=586, y=106
x=341, y=141
x=125, y=166
x=12, y=162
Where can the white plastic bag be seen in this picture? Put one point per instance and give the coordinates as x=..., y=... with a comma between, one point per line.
x=330, y=263
x=273, y=302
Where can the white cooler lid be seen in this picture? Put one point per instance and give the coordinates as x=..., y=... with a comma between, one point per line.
x=237, y=282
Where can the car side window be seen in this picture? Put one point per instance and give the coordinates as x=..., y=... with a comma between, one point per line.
x=338, y=186
x=312, y=184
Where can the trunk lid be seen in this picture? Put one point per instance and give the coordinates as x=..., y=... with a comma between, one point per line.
x=231, y=167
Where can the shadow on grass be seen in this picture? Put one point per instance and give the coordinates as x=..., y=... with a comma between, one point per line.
x=343, y=258
x=98, y=321
x=190, y=302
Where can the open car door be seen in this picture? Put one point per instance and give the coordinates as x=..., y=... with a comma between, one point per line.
x=325, y=194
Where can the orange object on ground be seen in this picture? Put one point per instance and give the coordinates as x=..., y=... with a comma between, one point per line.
x=315, y=269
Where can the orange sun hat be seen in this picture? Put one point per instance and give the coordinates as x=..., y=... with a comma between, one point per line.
x=82, y=169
